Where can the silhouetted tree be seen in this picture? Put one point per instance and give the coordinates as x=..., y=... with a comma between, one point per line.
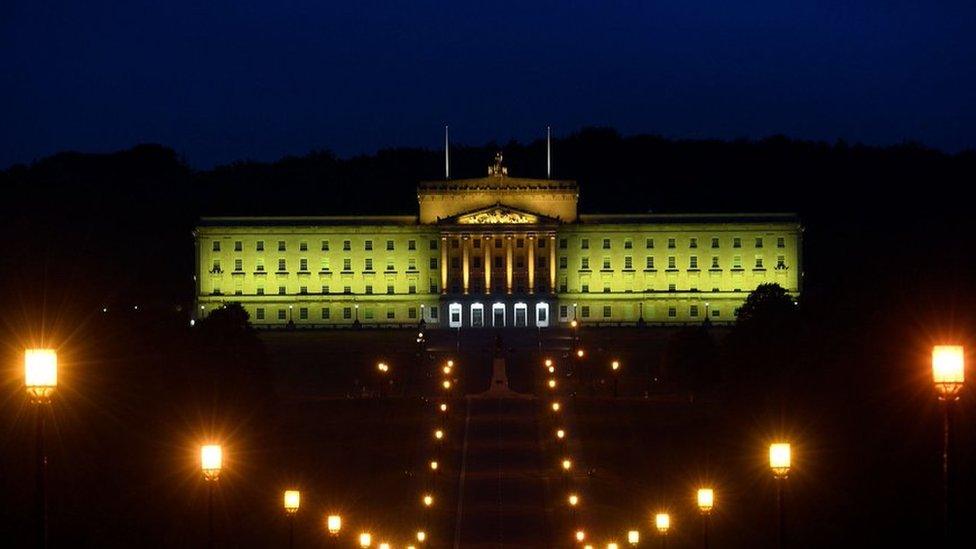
x=689, y=359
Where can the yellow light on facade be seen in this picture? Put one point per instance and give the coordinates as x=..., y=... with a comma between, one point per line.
x=555, y=406
x=662, y=521
x=580, y=535
x=40, y=373
x=443, y=407
x=706, y=499
x=567, y=464
x=438, y=434
x=552, y=383
x=573, y=500
x=433, y=465
x=780, y=459
x=615, y=365
x=334, y=524
x=446, y=384
x=421, y=536
x=428, y=500
x=211, y=460
x=580, y=353
x=365, y=539
x=560, y=434
x=633, y=537
x=292, y=500
x=948, y=370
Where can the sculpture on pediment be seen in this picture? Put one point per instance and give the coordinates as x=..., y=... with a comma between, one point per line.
x=495, y=216
x=497, y=170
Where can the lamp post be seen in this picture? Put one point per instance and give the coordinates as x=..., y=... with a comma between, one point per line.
x=615, y=370
x=421, y=536
x=40, y=381
x=365, y=539
x=292, y=501
x=334, y=524
x=211, y=461
x=706, y=500
x=633, y=537
x=662, y=521
x=949, y=376
x=580, y=536
x=780, y=460
x=573, y=501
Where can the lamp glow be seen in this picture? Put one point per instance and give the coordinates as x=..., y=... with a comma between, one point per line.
x=446, y=370
x=580, y=353
x=552, y=369
x=662, y=521
x=573, y=323
x=780, y=459
x=573, y=500
x=948, y=370
x=612, y=545
x=706, y=499
x=334, y=524
x=421, y=536
x=292, y=501
x=633, y=537
x=384, y=545
x=446, y=384
x=438, y=434
x=433, y=465
x=548, y=362
x=365, y=539
x=567, y=464
x=450, y=363
x=615, y=365
x=40, y=373
x=443, y=407
x=428, y=500
x=382, y=367
x=580, y=535
x=211, y=460
x=560, y=434
x=552, y=383
x=555, y=406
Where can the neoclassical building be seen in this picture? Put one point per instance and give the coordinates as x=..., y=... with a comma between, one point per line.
x=492, y=252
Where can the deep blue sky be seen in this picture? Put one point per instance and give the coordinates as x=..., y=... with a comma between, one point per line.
x=224, y=80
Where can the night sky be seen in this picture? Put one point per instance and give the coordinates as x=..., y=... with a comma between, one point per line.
x=226, y=80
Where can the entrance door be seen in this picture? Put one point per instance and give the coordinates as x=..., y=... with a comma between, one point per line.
x=477, y=315
x=542, y=315
x=521, y=312
x=498, y=315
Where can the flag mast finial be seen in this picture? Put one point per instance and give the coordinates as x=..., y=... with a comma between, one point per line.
x=548, y=152
x=447, y=154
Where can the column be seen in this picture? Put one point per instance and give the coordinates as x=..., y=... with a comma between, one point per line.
x=443, y=264
x=465, y=268
x=530, y=244
x=487, y=242
x=552, y=263
x=508, y=263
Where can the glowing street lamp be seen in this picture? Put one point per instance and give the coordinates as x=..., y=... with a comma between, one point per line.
x=450, y=363
x=567, y=464
x=780, y=461
x=383, y=367
x=438, y=434
x=442, y=407
x=662, y=521
x=421, y=536
x=580, y=353
x=428, y=500
x=612, y=545
x=560, y=434
x=40, y=381
x=211, y=461
x=706, y=501
x=384, y=545
x=555, y=406
x=633, y=537
x=446, y=384
x=552, y=383
x=365, y=539
x=548, y=363
x=292, y=501
x=949, y=376
x=580, y=535
x=615, y=369
x=433, y=465
x=552, y=369
x=573, y=500
x=334, y=524
x=446, y=370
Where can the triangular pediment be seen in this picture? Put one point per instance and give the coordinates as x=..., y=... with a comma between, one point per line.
x=499, y=214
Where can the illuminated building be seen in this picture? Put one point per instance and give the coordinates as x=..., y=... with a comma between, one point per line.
x=493, y=251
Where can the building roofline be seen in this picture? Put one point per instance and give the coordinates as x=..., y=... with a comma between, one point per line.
x=259, y=221
x=782, y=217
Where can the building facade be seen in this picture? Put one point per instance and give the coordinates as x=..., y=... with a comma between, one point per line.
x=497, y=251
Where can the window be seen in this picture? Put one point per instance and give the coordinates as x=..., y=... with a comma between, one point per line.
x=672, y=262
x=715, y=242
x=325, y=263
x=369, y=289
x=368, y=245
x=563, y=243
x=326, y=313
x=606, y=263
x=216, y=266
x=649, y=243
x=282, y=314
x=390, y=267
x=238, y=265
x=412, y=312
x=215, y=291
x=628, y=263
x=584, y=263
x=390, y=314
x=433, y=243
x=649, y=263
x=412, y=289
x=260, y=290
x=455, y=263
x=759, y=242
x=433, y=263
x=716, y=313
x=585, y=244
x=606, y=289
x=585, y=288
x=693, y=243
x=585, y=311
x=759, y=262
x=347, y=264
x=346, y=245
x=259, y=245
x=303, y=290
x=693, y=262
x=563, y=261
x=607, y=311
x=325, y=289
x=303, y=264
x=239, y=246
x=693, y=311
x=411, y=264
x=715, y=262
x=281, y=290
x=672, y=312
x=454, y=243
x=736, y=242
x=282, y=267
x=347, y=289
x=781, y=262
x=672, y=288
x=671, y=243
x=259, y=313
x=498, y=263
x=281, y=245
x=563, y=286
x=519, y=243
x=542, y=242
x=303, y=313
x=303, y=246
x=498, y=243
x=259, y=265
x=563, y=311
x=325, y=245
x=411, y=245
x=476, y=261
x=389, y=245
x=389, y=289
x=346, y=313
x=216, y=245
x=368, y=264
x=628, y=244
x=606, y=243
x=737, y=262
x=433, y=287
x=780, y=242
x=433, y=312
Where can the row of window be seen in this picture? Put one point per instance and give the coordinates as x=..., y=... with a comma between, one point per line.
x=694, y=311
x=324, y=265
x=673, y=263
x=585, y=289
x=672, y=243
x=303, y=245
x=326, y=290
x=346, y=312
